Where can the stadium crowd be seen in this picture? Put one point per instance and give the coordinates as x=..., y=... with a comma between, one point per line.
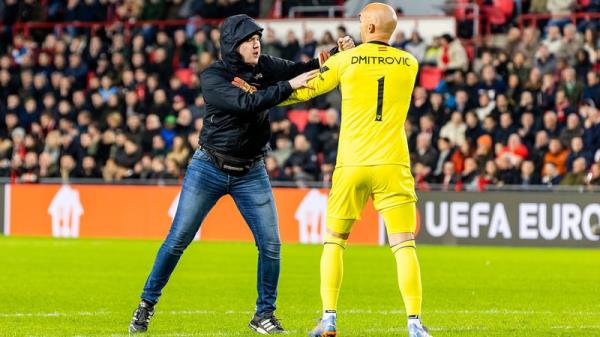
x=106, y=105
x=108, y=10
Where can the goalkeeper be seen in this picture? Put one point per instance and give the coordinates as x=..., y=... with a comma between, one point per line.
x=376, y=83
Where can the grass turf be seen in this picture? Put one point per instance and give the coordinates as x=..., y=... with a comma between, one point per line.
x=90, y=288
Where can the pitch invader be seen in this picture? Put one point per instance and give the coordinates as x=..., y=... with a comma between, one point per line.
x=373, y=160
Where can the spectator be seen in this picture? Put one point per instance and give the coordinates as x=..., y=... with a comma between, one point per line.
x=454, y=130
x=330, y=134
x=143, y=168
x=551, y=176
x=460, y=155
x=469, y=174
x=158, y=169
x=309, y=46
x=313, y=128
x=419, y=104
x=292, y=47
x=553, y=40
x=593, y=178
x=506, y=128
x=573, y=88
x=302, y=163
x=572, y=130
x=453, y=56
x=438, y=109
x=126, y=157
x=582, y=64
x=548, y=92
x=473, y=130
x=172, y=170
x=273, y=169
x=422, y=175
x=507, y=174
x=67, y=167
x=444, y=154
x=270, y=44
x=519, y=67
x=462, y=103
x=540, y=148
x=528, y=174
x=29, y=172
x=282, y=151
x=326, y=43
x=513, y=38
x=592, y=89
x=527, y=129
x=577, y=176
x=490, y=84
x=591, y=134
x=180, y=153
x=545, y=61
x=483, y=152
x=550, y=124
x=326, y=171
x=89, y=169
x=529, y=44
x=485, y=60
x=399, y=40
x=416, y=46
x=47, y=168
x=590, y=44
x=577, y=151
x=557, y=155
x=486, y=106
x=488, y=177
x=425, y=153
x=448, y=177
x=515, y=151
x=562, y=106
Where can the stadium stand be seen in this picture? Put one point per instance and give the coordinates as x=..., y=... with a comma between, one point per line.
x=121, y=100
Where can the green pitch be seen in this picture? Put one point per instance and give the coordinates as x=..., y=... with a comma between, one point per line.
x=91, y=287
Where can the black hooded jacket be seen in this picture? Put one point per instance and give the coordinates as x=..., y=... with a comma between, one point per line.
x=236, y=121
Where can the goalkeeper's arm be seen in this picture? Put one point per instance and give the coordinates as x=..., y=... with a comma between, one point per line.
x=327, y=80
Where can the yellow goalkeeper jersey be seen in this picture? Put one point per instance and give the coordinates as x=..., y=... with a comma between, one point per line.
x=376, y=83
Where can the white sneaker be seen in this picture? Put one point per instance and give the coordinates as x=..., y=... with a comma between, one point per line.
x=416, y=329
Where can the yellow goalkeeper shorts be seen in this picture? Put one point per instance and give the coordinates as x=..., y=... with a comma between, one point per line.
x=390, y=186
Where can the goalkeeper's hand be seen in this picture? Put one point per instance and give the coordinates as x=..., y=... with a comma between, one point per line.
x=345, y=43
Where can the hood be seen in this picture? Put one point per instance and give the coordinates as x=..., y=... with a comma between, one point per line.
x=234, y=30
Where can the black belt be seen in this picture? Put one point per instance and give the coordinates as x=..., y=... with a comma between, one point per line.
x=231, y=165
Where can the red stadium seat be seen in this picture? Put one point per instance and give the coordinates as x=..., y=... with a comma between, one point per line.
x=430, y=77
x=298, y=117
x=505, y=6
x=184, y=75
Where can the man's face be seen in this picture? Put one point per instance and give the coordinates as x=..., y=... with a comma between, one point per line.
x=250, y=50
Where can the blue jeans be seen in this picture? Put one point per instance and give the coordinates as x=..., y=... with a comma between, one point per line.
x=202, y=186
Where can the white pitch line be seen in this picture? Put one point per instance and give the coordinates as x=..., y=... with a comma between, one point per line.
x=570, y=327
x=54, y=314
x=291, y=312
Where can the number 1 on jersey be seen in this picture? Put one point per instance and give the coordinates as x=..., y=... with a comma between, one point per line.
x=380, y=82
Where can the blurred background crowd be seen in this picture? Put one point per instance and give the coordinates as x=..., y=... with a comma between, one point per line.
x=517, y=108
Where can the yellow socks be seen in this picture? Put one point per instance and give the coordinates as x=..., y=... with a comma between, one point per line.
x=409, y=276
x=332, y=272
